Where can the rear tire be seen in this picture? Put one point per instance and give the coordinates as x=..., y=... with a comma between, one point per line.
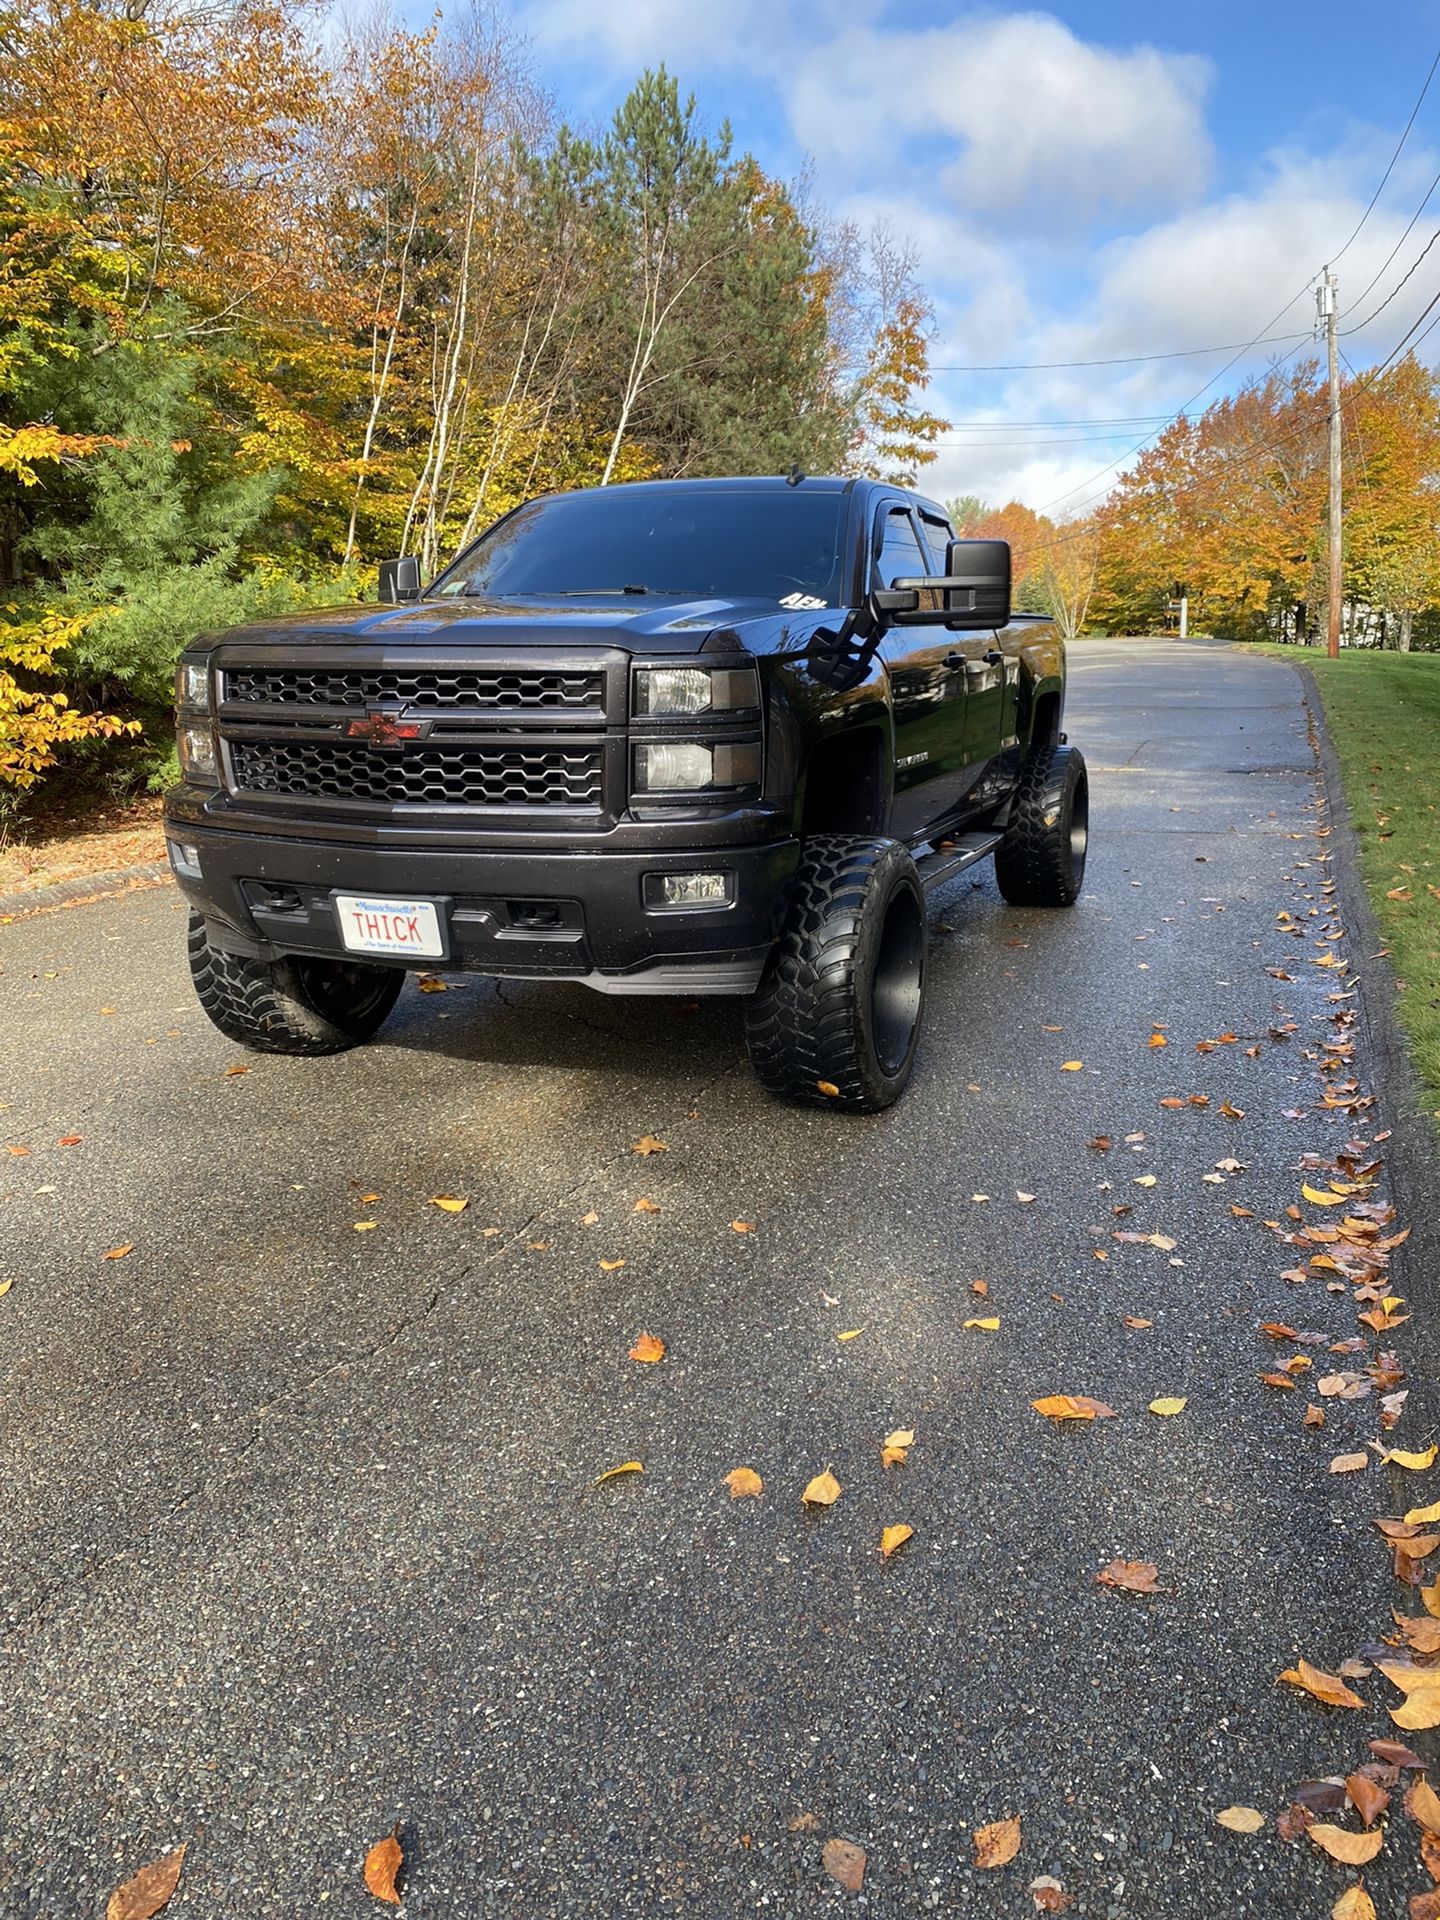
x=292, y=1005
x=836, y=1019
x=1041, y=860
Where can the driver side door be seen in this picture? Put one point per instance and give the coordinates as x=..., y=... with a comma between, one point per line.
x=927, y=686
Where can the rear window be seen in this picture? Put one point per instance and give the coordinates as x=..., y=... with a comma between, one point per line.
x=772, y=546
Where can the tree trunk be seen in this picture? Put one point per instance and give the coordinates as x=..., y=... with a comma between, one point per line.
x=1407, y=622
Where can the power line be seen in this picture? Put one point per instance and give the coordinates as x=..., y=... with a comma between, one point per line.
x=1076, y=440
x=1405, y=339
x=1400, y=283
x=1124, y=360
x=1393, y=158
x=1362, y=297
x=1112, y=420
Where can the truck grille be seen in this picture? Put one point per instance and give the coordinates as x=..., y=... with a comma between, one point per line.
x=350, y=687
x=427, y=775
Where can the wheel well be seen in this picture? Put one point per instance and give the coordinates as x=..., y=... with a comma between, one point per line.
x=844, y=787
x=1045, y=726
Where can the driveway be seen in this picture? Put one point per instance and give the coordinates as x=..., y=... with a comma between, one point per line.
x=302, y=1534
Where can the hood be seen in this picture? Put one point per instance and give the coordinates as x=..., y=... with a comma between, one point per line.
x=654, y=624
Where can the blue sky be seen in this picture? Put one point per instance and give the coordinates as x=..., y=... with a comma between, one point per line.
x=1080, y=182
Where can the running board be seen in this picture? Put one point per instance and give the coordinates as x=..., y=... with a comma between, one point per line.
x=957, y=854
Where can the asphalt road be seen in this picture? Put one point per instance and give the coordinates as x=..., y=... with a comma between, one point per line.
x=301, y=1532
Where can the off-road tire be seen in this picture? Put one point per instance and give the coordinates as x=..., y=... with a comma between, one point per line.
x=836, y=1019
x=1041, y=860
x=292, y=1005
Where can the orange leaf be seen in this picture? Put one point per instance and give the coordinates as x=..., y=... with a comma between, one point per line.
x=643, y=1205
x=119, y=1253
x=742, y=1226
x=382, y=1863
x=1351, y=1849
x=831, y=1092
x=1158, y=1040
x=146, y=1892
x=893, y=1456
x=69, y=1139
x=744, y=1483
x=1422, y=1803
x=647, y=1348
x=844, y=1862
x=997, y=1844
x=1278, y=1380
x=893, y=1538
x=1324, y=1686
x=823, y=1490
x=1072, y=1406
x=648, y=1145
x=1135, y=1576
x=1368, y=1799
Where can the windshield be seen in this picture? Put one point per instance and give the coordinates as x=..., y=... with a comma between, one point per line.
x=783, y=546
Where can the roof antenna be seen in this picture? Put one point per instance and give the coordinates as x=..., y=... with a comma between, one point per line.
x=796, y=475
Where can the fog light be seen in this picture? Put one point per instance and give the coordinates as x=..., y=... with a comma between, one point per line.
x=692, y=889
x=184, y=857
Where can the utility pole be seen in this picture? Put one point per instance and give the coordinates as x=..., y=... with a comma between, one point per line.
x=1326, y=302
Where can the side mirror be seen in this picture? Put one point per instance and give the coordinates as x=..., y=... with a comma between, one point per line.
x=400, y=580
x=975, y=590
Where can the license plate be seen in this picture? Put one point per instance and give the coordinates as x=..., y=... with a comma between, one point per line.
x=395, y=927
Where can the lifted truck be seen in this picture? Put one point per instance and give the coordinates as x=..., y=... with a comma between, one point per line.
x=682, y=737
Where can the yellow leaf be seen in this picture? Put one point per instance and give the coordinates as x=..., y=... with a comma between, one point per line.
x=382, y=1863
x=823, y=1490
x=828, y=1088
x=893, y=1456
x=1417, y=1462
x=1422, y=1516
x=1145, y=1179
x=5, y=1286
x=1353, y=1904
x=1319, y=1199
x=1072, y=1066
x=987, y=1326
x=1351, y=1849
x=742, y=1226
x=1168, y=1406
x=901, y=1437
x=893, y=1538
x=648, y=1145
x=611, y=1266
x=614, y=1473
x=744, y=1483
x=146, y=1892
x=448, y=1203
x=1241, y=1819
x=1158, y=1040
x=997, y=1844
x=648, y=1349
x=119, y=1253
x=852, y=1333
x=361, y=1226
x=1422, y=1803
x=368, y=1199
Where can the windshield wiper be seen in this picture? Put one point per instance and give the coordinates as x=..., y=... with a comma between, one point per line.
x=600, y=593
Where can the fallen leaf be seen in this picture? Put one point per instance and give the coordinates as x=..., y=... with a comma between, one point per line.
x=119, y=1253
x=1326, y=1687
x=1134, y=1320
x=1072, y=1406
x=1422, y=1803
x=828, y=1088
x=428, y=983
x=1158, y=1040
x=1072, y=1066
x=901, y=1437
x=614, y=1473
x=744, y=1483
x=18, y=1153
x=230, y=1073
x=1145, y=1179
x=1422, y=1516
x=590, y=1219
x=1425, y=1906
x=1420, y=1709
x=643, y=1205
x=648, y=1145
x=1102, y=1143
x=893, y=1456
x=1024, y=1198
x=742, y=1226
x=1368, y=1799
x=1294, y=1823
x=850, y=1333
x=1350, y=1463
x=361, y=1226
x=70, y=1140
x=823, y=1490
x=804, y=1823
x=980, y=1287
x=5, y=1286
x=1417, y=1462
x=1353, y=1904
x=987, y=1326
x=1135, y=1576
x=1049, y=1895
x=610, y=1266
x=449, y=1202
x=1351, y=1849
x=648, y=1349
x=844, y=1862
x=1314, y=1417
x=385, y=1859
x=146, y=1892
x=1395, y=1753
x=997, y=1844
x=893, y=1538
x=1280, y=1381
x=1241, y=1819
x=1168, y=1406
x=1230, y=1111
x=1319, y=1199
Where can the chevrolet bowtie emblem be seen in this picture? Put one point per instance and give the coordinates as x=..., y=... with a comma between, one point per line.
x=385, y=727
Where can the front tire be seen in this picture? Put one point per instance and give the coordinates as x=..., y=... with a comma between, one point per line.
x=836, y=1018
x=1041, y=860
x=292, y=1005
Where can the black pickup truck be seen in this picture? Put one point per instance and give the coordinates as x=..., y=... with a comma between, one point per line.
x=681, y=737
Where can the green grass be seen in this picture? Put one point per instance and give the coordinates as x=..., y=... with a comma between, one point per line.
x=1383, y=712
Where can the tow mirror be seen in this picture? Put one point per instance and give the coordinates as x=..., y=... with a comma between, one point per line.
x=974, y=590
x=400, y=580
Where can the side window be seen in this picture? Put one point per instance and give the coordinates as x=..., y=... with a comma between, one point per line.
x=900, y=557
x=937, y=538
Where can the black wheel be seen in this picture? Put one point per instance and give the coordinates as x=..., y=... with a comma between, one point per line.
x=292, y=1005
x=836, y=1019
x=1041, y=860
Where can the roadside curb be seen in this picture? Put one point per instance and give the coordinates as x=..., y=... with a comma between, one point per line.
x=89, y=886
x=1412, y=1154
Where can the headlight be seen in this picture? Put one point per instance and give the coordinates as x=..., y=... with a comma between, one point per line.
x=688, y=766
x=192, y=685
x=679, y=690
x=196, y=747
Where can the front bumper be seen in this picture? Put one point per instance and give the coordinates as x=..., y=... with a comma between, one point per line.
x=578, y=916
